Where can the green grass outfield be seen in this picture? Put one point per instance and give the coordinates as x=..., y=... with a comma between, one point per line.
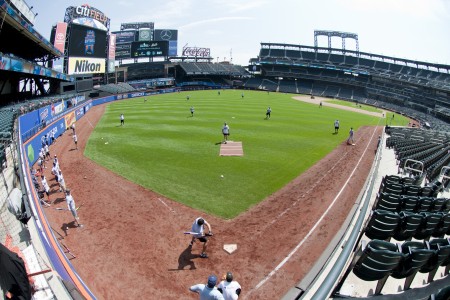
x=164, y=149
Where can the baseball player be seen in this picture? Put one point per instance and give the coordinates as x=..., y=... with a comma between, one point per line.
x=225, y=132
x=207, y=291
x=336, y=126
x=46, y=187
x=72, y=208
x=198, y=227
x=47, y=151
x=269, y=110
x=75, y=140
x=192, y=111
x=62, y=183
x=122, y=120
x=350, y=140
x=230, y=289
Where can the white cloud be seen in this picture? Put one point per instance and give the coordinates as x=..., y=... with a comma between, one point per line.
x=237, y=5
x=214, y=20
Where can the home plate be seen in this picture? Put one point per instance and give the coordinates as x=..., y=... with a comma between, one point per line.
x=230, y=248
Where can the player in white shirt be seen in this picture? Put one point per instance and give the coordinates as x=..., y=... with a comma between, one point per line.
x=230, y=289
x=71, y=205
x=225, y=132
x=198, y=231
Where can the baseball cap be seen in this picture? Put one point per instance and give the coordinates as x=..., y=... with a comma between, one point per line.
x=229, y=277
x=212, y=280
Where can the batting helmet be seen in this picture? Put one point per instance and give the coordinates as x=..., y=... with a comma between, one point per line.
x=229, y=277
x=200, y=221
x=212, y=280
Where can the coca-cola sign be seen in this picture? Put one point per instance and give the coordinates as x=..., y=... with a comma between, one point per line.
x=197, y=52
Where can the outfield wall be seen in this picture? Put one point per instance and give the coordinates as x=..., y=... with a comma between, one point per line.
x=32, y=134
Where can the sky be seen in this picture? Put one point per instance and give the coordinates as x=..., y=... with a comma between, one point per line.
x=235, y=29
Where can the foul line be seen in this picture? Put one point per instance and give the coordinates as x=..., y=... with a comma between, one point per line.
x=281, y=264
x=304, y=194
x=165, y=204
x=89, y=122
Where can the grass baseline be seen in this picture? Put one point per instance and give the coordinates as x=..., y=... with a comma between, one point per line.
x=163, y=148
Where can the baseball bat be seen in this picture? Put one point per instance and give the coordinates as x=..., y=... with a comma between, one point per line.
x=195, y=233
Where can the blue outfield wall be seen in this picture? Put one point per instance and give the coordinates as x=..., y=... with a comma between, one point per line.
x=58, y=118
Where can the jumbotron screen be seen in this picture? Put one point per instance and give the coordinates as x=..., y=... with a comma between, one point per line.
x=87, y=42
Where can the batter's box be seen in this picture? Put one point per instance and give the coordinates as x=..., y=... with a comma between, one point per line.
x=231, y=149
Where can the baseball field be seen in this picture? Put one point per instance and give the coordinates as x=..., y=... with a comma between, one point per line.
x=163, y=148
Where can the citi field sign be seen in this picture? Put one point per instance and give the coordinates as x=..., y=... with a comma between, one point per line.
x=86, y=11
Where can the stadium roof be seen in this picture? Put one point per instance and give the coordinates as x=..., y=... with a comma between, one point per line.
x=418, y=64
x=19, y=37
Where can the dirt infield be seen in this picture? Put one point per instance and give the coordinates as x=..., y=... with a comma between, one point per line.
x=132, y=244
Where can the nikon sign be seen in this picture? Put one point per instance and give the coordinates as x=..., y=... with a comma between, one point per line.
x=84, y=65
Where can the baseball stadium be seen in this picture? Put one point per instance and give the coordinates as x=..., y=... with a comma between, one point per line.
x=133, y=171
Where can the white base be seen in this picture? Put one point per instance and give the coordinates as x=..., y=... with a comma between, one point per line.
x=230, y=248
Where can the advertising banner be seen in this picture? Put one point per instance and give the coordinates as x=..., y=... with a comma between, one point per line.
x=123, y=51
x=165, y=35
x=60, y=36
x=196, y=52
x=79, y=113
x=84, y=65
x=145, y=35
x=149, y=49
x=5, y=63
x=69, y=119
x=123, y=37
x=112, y=46
x=33, y=146
x=173, y=48
x=111, y=65
x=57, y=108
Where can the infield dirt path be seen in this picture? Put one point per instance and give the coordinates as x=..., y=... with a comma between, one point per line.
x=132, y=246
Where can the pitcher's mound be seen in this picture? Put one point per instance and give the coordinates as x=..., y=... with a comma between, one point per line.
x=231, y=149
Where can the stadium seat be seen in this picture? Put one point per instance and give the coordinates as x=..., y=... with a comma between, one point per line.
x=387, y=201
x=440, y=204
x=441, y=257
x=416, y=254
x=425, y=204
x=411, y=190
x=428, y=225
x=409, y=203
x=382, y=225
x=376, y=261
x=442, y=294
x=443, y=227
x=426, y=191
x=409, y=222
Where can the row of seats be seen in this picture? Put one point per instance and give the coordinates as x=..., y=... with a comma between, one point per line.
x=397, y=203
x=384, y=225
x=409, y=189
x=378, y=260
